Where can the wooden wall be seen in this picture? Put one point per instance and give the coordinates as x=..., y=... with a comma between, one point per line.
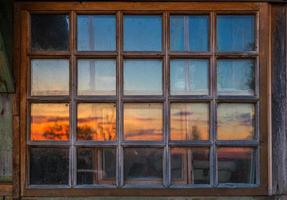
x=5, y=138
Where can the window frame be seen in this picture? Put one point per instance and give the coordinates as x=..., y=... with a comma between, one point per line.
x=259, y=9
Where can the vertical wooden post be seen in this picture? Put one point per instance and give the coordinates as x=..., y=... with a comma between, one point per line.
x=279, y=114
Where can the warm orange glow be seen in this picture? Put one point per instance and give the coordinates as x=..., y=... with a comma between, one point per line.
x=235, y=122
x=49, y=121
x=189, y=121
x=96, y=122
x=234, y=153
x=143, y=121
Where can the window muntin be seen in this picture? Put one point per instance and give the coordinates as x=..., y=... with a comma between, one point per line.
x=166, y=99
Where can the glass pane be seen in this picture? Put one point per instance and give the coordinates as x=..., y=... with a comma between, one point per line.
x=49, y=121
x=142, y=33
x=49, y=32
x=142, y=77
x=96, y=77
x=189, y=121
x=236, y=165
x=236, y=33
x=189, y=33
x=49, y=77
x=235, y=77
x=96, y=33
x=235, y=121
x=96, y=121
x=143, y=164
x=189, y=77
x=49, y=166
x=190, y=165
x=143, y=121
x=96, y=166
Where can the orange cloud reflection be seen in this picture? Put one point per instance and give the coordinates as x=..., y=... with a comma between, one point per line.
x=189, y=121
x=49, y=121
x=96, y=121
x=143, y=121
x=236, y=121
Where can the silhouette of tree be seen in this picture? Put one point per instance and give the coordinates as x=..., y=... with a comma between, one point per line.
x=85, y=132
x=195, y=133
x=56, y=132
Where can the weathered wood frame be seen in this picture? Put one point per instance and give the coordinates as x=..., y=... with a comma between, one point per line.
x=22, y=17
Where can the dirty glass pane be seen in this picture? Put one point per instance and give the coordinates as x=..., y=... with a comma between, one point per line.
x=236, y=77
x=143, y=121
x=142, y=77
x=236, y=33
x=189, y=77
x=96, y=121
x=49, y=166
x=49, y=32
x=6, y=127
x=96, y=166
x=236, y=165
x=190, y=166
x=49, y=121
x=142, y=33
x=96, y=33
x=97, y=77
x=49, y=77
x=143, y=164
x=235, y=121
x=189, y=33
x=189, y=121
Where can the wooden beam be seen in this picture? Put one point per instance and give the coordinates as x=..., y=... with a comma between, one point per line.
x=5, y=190
x=279, y=95
x=6, y=80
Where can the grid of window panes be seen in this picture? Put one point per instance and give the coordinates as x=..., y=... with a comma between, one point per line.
x=157, y=100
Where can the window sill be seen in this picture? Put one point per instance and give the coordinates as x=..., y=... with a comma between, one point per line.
x=88, y=192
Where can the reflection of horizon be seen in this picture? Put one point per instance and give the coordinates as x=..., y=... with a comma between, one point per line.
x=142, y=134
x=236, y=121
x=189, y=121
x=50, y=130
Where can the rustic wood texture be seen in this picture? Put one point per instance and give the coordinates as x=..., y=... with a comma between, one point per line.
x=5, y=138
x=16, y=106
x=6, y=80
x=22, y=64
x=279, y=99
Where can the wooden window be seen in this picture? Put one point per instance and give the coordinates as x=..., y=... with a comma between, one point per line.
x=144, y=98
